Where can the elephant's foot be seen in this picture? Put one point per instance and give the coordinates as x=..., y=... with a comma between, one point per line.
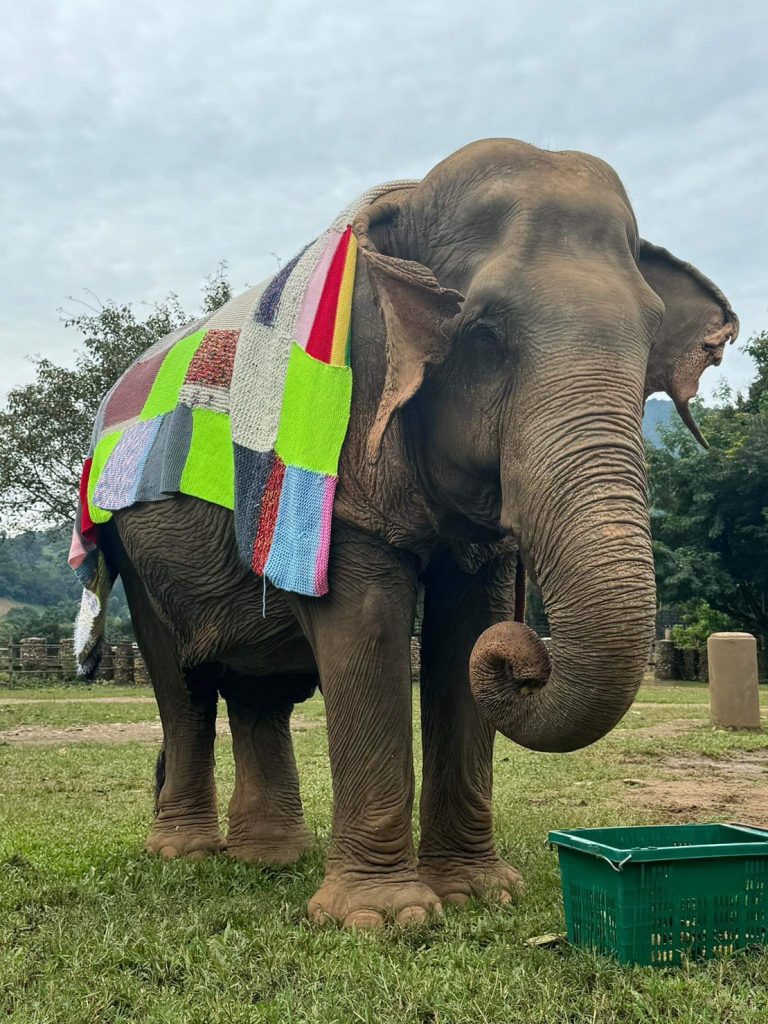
x=457, y=880
x=274, y=844
x=360, y=902
x=193, y=838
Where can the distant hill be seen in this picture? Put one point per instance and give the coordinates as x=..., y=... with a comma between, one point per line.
x=39, y=593
x=7, y=604
x=658, y=412
x=34, y=570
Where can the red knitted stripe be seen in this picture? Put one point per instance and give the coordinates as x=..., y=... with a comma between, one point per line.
x=128, y=398
x=88, y=529
x=321, y=336
x=212, y=363
x=268, y=516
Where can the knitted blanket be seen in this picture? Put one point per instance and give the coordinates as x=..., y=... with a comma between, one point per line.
x=248, y=409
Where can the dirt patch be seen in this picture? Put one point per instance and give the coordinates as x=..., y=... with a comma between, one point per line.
x=640, y=705
x=666, y=730
x=111, y=732
x=699, y=787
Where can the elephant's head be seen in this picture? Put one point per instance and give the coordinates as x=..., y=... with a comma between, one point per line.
x=526, y=322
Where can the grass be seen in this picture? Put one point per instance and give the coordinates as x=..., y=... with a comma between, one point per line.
x=60, y=714
x=49, y=689
x=92, y=929
x=683, y=692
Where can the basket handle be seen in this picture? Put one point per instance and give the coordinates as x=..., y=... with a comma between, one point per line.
x=616, y=867
x=620, y=865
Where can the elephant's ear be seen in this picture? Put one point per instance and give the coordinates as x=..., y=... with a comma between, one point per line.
x=698, y=321
x=416, y=312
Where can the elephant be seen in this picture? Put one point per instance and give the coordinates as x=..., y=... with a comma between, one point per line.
x=507, y=324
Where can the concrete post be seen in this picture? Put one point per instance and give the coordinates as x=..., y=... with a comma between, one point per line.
x=733, y=694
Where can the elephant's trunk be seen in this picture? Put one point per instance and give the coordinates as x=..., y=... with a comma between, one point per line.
x=583, y=521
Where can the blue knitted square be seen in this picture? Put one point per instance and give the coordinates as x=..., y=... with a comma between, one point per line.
x=292, y=561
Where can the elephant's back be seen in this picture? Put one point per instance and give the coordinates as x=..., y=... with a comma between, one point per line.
x=164, y=428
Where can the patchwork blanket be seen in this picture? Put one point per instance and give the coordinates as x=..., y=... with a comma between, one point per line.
x=248, y=409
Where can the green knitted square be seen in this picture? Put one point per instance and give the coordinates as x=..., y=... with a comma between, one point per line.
x=314, y=414
x=164, y=395
x=101, y=454
x=209, y=472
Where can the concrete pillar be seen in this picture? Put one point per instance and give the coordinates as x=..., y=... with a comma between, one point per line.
x=733, y=693
x=664, y=668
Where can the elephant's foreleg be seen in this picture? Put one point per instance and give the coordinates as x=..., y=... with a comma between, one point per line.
x=266, y=821
x=360, y=636
x=186, y=816
x=457, y=853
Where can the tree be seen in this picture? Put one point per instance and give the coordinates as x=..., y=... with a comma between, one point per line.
x=46, y=425
x=710, y=508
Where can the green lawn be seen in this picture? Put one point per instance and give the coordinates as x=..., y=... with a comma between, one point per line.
x=93, y=930
x=71, y=691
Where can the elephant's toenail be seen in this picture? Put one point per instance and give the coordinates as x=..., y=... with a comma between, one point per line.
x=412, y=915
x=363, y=919
x=458, y=899
x=169, y=852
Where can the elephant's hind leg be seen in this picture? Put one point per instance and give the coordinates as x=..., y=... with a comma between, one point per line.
x=266, y=821
x=186, y=816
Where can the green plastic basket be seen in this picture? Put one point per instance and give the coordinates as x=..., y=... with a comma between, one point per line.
x=651, y=895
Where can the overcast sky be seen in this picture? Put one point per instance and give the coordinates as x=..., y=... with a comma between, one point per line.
x=143, y=142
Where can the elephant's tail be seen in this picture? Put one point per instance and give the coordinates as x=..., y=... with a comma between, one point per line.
x=89, y=624
x=159, y=777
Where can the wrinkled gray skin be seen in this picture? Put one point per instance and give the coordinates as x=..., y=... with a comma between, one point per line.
x=507, y=325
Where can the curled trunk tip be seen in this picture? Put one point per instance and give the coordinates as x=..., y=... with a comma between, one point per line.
x=530, y=700
x=507, y=662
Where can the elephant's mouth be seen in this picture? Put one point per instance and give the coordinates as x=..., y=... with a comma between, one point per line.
x=526, y=563
x=520, y=574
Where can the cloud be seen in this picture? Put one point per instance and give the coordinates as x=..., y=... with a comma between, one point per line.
x=143, y=142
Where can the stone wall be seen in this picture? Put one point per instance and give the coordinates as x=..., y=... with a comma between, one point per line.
x=121, y=663
x=669, y=662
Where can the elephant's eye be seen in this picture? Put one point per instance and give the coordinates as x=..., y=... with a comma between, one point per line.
x=484, y=330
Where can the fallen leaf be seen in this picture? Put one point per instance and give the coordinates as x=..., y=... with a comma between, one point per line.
x=548, y=941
